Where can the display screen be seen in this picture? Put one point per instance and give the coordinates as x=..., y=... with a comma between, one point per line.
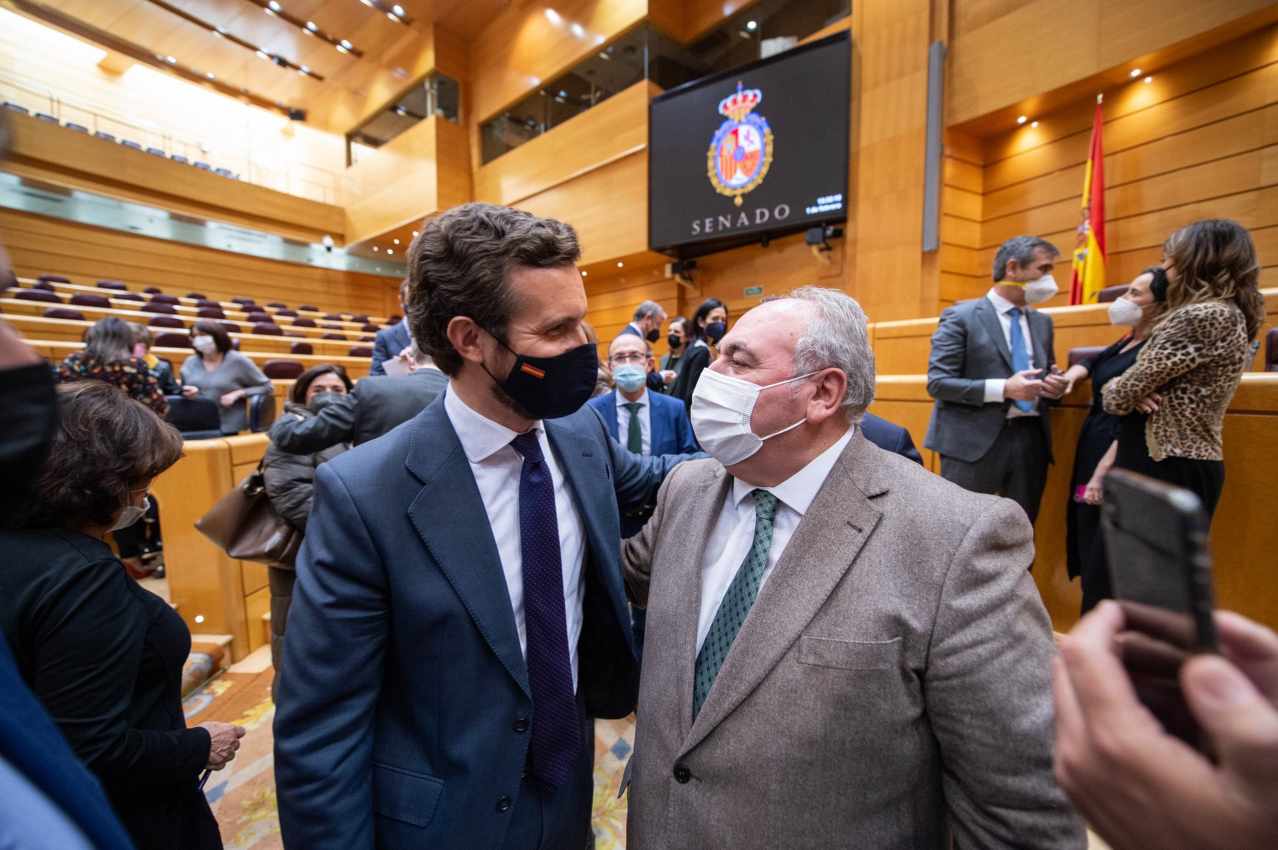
x=756, y=151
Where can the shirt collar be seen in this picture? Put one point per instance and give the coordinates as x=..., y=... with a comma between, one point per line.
x=481, y=437
x=1001, y=304
x=798, y=491
x=622, y=401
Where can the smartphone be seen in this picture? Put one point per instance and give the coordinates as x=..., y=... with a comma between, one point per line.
x=1160, y=569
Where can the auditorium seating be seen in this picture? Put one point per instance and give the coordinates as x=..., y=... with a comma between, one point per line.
x=1271, y=350
x=196, y=418
x=161, y=298
x=153, y=290
x=38, y=295
x=84, y=299
x=63, y=313
x=53, y=278
x=361, y=351
x=166, y=322
x=168, y=339
x=196, y=295
x=210, y=313
x=304, y=323
x=302, y=348
x=1078, y=355
x=112, y=284
x=334, y=336
x=282, y=368
x=128, y=296
x=267, y=329
x=1110, y=293
x=153, y=307
x=277, y=305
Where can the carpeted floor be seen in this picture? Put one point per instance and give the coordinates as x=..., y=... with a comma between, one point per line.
x=243, y=795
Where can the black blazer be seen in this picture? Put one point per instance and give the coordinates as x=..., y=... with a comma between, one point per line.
x=105, y=658
x=694, y=363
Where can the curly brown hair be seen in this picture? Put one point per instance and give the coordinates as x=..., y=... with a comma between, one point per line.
x=1214, y=259
x=106, y=445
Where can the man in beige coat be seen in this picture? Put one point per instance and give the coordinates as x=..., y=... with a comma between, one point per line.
x=843, y=649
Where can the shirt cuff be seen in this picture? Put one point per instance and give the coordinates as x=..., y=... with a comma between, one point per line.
x=994, y=390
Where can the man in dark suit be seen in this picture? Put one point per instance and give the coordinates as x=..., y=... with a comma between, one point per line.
x=992, y=372
x=374, y=407
x=459, y=612
x=646, y=325
x=890, y=437
x=389, y=342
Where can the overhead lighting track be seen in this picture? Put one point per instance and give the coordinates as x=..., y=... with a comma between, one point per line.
x=235, y=39
x=393, y=11
x=277, y=10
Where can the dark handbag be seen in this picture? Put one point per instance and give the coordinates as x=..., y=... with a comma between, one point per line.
x=245, y=525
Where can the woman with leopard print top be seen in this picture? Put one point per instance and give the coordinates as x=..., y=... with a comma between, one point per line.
x=1186, y=374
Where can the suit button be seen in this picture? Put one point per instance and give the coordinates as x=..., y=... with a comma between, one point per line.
x=520, y=725
x=682, y=774
x=503, y=804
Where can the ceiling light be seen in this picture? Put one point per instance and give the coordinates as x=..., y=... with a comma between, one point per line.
x=554, y=17
x=605, y=57
x=375, y=248
x=563, y=93
x=1034, y=124
x=170, y=60
x=1148, y=80
x=310, y=25
x=261, y=54
x=367, y=2
x=341, y=49
x=1021, y=119
x=218, y=33
x=752, y=25
x=389, y=251
x=414, y=234
x=396, y=241
x=271, y=13
x=345, y=44
x=209, y=74
x=620, y=264
x=1135, y=73
x=398, y=10
x=578, y=30
x=585, y=273
x=273, y=6
x=305, y=70
x=391, y=15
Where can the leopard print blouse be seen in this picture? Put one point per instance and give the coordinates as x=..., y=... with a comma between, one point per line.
x=1194, y=360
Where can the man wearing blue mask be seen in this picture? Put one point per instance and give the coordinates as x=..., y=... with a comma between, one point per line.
x=992, y=372
x=843, y=649
x=459, y=614
x=646, y=423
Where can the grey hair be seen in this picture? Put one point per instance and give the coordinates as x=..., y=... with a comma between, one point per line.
x=110, y=340
x=1021, y=249
x=648, y=308
x=837, y=336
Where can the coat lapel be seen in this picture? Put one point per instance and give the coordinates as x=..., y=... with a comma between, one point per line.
x=989, y=318
x=1038, y=334
x=463, y=546
x=822, y=550
x=609, y=412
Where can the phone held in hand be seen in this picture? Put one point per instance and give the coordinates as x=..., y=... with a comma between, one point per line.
x=1160, y=569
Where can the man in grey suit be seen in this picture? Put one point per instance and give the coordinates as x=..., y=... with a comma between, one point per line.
x=993, y=372
x=376, y=405
x=843, y=650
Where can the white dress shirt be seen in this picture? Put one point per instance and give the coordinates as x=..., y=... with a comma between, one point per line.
x=994, y=386
x=496, y=467
x=733, y=534
x=645, y=420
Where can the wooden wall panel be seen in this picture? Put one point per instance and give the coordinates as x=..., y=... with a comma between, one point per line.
x=395, y=184
x=612, y=302
x=532, y=42
x=38, y=245
x=1088, y=37
x=63, y=156
x=613, y=129
x=608, y=206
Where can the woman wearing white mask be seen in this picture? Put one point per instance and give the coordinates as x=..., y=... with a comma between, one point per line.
x=103, y=654
x=1137, y=309
x=218, y=372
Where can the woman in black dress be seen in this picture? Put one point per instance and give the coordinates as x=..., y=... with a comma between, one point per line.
x=1098, y=440
x=703, y=331
x=102, y=654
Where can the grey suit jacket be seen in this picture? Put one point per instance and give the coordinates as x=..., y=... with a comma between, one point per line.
x=890, y=682
x=968, y=346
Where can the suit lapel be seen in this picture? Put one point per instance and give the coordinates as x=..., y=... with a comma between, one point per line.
x=610, y=414
x=589, y=479
x=994, y=326
x=463, y=546
x=657, y=425
x=822, y=550
x=1038, y=334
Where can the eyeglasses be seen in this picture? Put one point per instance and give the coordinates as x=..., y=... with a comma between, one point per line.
x=629, y=357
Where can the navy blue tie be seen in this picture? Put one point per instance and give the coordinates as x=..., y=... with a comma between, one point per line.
x=556, y=730
x=1020, y=356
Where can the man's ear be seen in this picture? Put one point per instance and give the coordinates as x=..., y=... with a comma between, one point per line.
x=832, y=386
x=465, y=337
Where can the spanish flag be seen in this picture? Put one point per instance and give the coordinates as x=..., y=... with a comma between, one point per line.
x=1089, y=248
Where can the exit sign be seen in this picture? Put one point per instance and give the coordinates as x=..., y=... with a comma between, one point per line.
x=751, y=291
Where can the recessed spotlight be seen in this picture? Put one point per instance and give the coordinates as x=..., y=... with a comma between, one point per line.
x=554, y=17
x=170, y=60
x=1034, y=124
x=752, y=25
x=274, y=6
x=341, y=49
x=209, y=74
x=585, y=273
x=414, y=234
x=1021, y=119
x=310, y=25
x=305, y=70
x=396, y=241
x=563, y=93
x=271, y=12
x=261, y=54
x=390, y=251
x=366, y=2
x=1135, y=73
x=620, y=264
x=345, y=44
x=578, y=30
x=398, y=10
x=218, y=33
x=605, y=57
x=1148, y=80
x=393, y=17
x=375, y=248
x=199, y=618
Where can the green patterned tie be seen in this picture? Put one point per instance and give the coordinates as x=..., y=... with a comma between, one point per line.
x=736, y=602
x=634, y=437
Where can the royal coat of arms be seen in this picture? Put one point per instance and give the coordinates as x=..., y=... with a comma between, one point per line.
x=741, y=149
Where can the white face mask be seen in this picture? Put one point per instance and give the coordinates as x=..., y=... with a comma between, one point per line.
x=1038, y=291
x=131, y=514
x=1125, y=312
x=204, y=344
x=721, y=410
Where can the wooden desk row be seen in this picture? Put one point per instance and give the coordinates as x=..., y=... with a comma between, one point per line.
x=356, y=367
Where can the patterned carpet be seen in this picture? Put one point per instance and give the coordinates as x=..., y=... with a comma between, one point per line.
x=243, y=795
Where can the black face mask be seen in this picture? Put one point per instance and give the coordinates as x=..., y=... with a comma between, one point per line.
x=652, y=335
x=715, y=331
x=551, y=387
x=674, y=342
x=321, y=400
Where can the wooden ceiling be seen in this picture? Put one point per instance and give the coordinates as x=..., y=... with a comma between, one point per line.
x=390, y=50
